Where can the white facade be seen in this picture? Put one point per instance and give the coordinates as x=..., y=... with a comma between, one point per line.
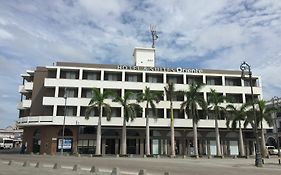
x=133, y=78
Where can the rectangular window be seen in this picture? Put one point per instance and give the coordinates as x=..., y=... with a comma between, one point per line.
x=214, y=80
x=70, y=75
x=232, y=81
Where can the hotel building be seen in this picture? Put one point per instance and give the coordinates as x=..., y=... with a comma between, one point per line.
x=41, y=109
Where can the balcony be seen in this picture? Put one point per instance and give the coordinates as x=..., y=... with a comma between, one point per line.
x=24, y=104
x=28, y=86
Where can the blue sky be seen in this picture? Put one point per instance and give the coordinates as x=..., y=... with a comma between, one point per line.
x=217, y=34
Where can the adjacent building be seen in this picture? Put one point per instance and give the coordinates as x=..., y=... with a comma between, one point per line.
x=41, y=109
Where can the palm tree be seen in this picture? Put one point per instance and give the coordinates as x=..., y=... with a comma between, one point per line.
x=171, y=94
x=263, y=113
x=149, y=97
x=97, y=101
x=194, y=100
x=131, y=111
x=215, y=99
x=236, y=115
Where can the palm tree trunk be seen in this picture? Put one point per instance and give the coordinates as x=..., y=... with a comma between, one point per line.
x=217, y=136
x=264, y=151
x=147, y=138
x=98, y=139
x=241, y=141
x=173, y=152
x=124, y=138
x=195, y=138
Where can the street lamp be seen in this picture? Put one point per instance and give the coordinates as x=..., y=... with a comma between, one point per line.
x=245, y=67
x=63, y=125
x=275, y=101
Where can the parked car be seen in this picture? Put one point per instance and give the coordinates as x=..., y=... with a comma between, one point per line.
x=6, y=143
x=272, y=150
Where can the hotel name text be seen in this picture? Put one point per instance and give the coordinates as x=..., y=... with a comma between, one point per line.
x=160, y=69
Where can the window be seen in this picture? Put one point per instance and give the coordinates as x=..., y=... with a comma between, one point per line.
x=112, y=76
x=247, y=82
x=191, y=79
x=154, y=78
x=70, y=111
x=133, y=77
x=93, y=113
x=176, y=79
x=134, y=94
x=232, y=81
x=114, y=93
x=69, y=92
x=235, y=98
x=86, y=93
x=159, y=113
x=70, y=75
x=91, y=75
x=177, y=113
x=214, y=80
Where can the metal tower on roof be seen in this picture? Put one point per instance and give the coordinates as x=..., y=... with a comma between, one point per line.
x=153, y=34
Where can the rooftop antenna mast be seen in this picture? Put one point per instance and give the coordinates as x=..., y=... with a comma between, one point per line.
x=153, y=34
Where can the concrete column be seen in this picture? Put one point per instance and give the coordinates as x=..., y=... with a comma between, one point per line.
x=181, y=147
x=78, y=111
x=184, y=79
x=247, y=148
x=55, y=110
x=164, y=79
x=161, y=146
x=204, y=79
x=141, y=146
x=184, y=147
x=102, y=75
x=204, y=146
x=103, y=141
x=223, y=80
x=165, y=147
x=80, y=74
x=225, y=150
x=123, y=76
x=208, y=148
x=56, y=91
x=201, y=147
x=137, y=146
x=58, y=73
x=116, y=146
x=188, y=147
x=79, y=92
x=254, y=148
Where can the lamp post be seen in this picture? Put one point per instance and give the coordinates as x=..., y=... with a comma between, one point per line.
x=245, y=67
x=275, y=101
x=63, y=125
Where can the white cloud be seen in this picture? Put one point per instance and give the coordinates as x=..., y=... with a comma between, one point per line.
x=209, y=34
x=5, y=35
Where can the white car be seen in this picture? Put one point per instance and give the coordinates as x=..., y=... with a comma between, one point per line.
x=272, y=150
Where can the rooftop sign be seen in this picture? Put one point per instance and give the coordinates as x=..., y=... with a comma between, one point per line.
x=160, y=69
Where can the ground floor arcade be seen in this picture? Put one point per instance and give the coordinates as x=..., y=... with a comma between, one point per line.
x=81, y=139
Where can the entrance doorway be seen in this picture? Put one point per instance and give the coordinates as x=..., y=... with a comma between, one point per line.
x=36, y=142
x=110, y=146
x=131, y=146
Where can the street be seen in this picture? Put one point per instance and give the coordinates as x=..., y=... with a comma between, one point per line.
x=157, y=166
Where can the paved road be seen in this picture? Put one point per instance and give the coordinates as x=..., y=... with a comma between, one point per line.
x=153, y=166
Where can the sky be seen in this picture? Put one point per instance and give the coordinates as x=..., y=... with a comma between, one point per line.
x=217, y=34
